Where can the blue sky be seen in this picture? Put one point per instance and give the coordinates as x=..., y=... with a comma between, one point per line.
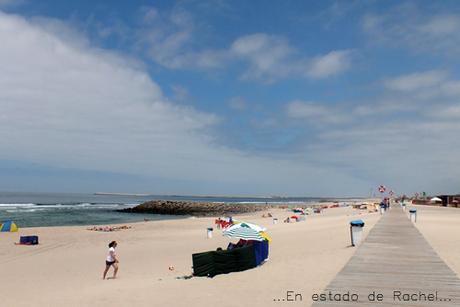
x=308, y=98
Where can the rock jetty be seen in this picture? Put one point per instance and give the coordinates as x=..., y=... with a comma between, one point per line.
x=195, y=208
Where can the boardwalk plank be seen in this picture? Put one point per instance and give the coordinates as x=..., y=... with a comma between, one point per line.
x=395, y=256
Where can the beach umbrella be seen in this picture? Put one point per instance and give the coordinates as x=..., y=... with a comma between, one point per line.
x=243, y=231
x=253, y=226
x=260, y=230
x=435, y=199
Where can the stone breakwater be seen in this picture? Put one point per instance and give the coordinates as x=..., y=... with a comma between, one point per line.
x=195, y=208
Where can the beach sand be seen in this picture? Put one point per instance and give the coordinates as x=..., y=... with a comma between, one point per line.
x=441, y=227
x=66, y=268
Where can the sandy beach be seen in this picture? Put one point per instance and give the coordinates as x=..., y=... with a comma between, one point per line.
x=66, y=268
x=441, y=227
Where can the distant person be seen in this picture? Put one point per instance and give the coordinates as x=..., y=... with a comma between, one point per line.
x=383, y=205
x=111, y=260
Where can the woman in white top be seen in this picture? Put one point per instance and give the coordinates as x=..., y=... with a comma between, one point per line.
x=111, y=260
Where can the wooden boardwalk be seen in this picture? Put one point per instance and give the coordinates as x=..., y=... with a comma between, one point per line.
x=395, y=257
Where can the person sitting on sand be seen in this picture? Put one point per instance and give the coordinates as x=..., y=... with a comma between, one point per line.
x=111, y=260
x=241, y=243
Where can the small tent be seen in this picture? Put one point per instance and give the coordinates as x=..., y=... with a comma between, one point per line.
x=8, y=226
x=436, y=200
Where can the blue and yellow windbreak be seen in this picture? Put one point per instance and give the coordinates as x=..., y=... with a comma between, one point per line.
x=8, y=226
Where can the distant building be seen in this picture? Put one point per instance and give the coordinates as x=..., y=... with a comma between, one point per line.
x=449, y=199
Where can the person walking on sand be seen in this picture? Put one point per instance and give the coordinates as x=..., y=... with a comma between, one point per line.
x=111, y=260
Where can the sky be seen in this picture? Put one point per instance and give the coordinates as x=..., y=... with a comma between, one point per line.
x=299, y=98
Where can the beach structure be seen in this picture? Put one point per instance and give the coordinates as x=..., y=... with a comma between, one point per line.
x=238, y=259
x=251, y=251
x=8, y=226
x=451, y=200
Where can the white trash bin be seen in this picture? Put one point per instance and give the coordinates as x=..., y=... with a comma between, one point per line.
x=413, y=215
x=275, y=220
x=209, y=232
x=356, y=232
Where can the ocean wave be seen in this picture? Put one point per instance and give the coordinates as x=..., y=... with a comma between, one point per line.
x=11, y=207
x=29, y=210
x=18, y=205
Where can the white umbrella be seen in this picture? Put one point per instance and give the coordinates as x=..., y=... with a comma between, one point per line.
x=435, y=199
x=253, y=226
x=243, y=231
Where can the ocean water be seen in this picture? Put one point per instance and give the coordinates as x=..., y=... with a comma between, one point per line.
x=59, y=209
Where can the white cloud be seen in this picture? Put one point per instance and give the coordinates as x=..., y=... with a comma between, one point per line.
x=448, y=112
x=72, y=105
x=67, y=104
x=180, y=93
x=402, y=139
x=385, y=107
x=441, y=25
x=406, y=155
x=425, y=86
x=330, y=64
x=167, y=36
x=417, y=81
x=272, y=58
x=451, y=88
x=315, y=113
x=300, y=109
x=238, y=103
x=149, y=14
x=418, y=94
x=9, y=3
x=172, y=40
x=84, y=107
x=432, y=30
x=268, y=56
